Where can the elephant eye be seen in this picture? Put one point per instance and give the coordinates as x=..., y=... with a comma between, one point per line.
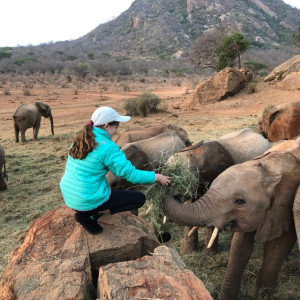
x=239, y=201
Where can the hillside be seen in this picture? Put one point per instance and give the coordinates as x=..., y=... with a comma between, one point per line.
x=167, y=26
x=147, y=35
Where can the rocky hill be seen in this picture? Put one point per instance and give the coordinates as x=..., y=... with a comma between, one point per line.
x=162, y=29
x=166, y=26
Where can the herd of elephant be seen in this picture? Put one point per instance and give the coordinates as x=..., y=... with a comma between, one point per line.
x=243, y=182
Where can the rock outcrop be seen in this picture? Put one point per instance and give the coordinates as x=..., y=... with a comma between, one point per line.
x=60, y=260
x=226, y=83
x=287, y=75
x=161, y=276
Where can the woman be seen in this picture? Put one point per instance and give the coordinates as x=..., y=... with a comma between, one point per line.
x=91, y=156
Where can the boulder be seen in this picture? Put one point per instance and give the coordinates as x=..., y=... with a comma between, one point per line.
x=287, y=75
x=160, y=276
x=59, y=259
x=226, y=83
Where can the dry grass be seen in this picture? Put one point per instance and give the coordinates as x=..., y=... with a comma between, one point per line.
x=35, y=168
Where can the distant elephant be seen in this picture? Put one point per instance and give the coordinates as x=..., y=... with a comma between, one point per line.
x=256, y=199
x=147, y=154
x=2, y=166
x=138, y=134
x=29, y=115
x=280, y=122
x=209, y=159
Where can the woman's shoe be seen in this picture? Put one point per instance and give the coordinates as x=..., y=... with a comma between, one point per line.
x=89, y=224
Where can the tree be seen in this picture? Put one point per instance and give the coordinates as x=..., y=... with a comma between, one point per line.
x=202, y=51
x=81, y=70
x=231, y=48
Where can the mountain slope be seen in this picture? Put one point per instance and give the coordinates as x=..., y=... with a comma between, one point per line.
x=165, y=26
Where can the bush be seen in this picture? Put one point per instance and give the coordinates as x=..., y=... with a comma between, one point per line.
x=251, y=87
x=142, y=105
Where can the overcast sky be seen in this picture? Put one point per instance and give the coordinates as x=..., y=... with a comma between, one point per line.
x=33, y=22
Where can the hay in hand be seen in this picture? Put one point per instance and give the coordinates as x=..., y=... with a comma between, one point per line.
x=184, y=185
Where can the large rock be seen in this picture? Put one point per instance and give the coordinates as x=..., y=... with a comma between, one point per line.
x=161, y=276
x=58, y=258
x=287, y=75
x=226, y=83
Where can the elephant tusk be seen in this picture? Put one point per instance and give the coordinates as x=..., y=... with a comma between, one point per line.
x=148, y=210
x=193, y=230
x=165, y=220
x=213, y=237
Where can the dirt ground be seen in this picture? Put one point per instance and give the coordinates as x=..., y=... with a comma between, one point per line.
x=72, y=109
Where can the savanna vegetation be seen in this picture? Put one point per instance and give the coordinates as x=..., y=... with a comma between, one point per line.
x=35, y=168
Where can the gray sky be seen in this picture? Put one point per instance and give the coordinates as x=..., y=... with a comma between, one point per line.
x=33, y=22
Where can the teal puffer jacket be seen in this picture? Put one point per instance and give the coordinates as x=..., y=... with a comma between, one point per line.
x=84, y=186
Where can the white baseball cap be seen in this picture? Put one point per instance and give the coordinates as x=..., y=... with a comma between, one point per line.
x=105, y=114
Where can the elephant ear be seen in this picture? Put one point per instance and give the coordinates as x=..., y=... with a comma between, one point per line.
x=276, y=131
x=278, y=218
x=43, y=109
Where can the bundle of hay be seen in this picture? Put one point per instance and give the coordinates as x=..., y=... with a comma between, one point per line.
x=183, y=186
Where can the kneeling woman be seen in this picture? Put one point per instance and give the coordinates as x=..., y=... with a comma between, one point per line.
x=92, y=155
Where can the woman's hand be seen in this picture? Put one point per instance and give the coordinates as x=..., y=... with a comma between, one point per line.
x=162, y=179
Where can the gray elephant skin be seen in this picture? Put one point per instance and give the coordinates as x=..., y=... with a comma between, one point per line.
x=147, y=154
x=206, y=160
x=256, y=199
x=138, y=134
x=2, y=167
x=29, y=115
x=296, y=212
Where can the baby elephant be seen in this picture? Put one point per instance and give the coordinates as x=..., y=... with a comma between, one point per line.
x=29, y=115
x=2, y=165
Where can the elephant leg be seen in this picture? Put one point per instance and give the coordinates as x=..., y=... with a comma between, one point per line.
x=35, y=132
x=23, y=138
x=190, y=243
x=275, y=252
x=16, y=132
x=240, y=253
x=207, y=235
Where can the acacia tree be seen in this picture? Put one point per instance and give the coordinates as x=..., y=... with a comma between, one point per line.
x=231, y=48
x=202, y=52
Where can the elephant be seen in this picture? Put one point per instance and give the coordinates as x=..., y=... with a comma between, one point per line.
x=29, y=115
x=2, y=166
x=134, y=135
x=280, y=122
x=209, y=159
x=256, y=199
x=296, y=212
x=147, y=154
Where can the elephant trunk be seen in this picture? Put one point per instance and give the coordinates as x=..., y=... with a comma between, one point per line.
x=51, y=121
x=191, y=214
x=296, y=212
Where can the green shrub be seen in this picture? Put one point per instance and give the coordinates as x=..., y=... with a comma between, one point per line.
x=6, y=91
x=251, y=88
x=142, y=105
